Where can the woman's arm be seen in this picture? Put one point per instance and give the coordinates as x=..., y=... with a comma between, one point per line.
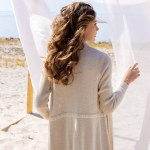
x=42, y=96
x=109, y=100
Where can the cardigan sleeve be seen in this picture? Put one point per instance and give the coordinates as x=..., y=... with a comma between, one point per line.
x=42, y=96
x=107, y=98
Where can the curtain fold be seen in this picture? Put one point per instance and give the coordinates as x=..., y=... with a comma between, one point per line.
x=24, y=11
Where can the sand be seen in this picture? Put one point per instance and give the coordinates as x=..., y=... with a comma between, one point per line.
x=29, y=132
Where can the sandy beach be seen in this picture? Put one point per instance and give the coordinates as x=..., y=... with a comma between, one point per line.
x=30, y=131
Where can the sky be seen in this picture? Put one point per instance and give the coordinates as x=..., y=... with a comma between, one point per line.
x=5, y=5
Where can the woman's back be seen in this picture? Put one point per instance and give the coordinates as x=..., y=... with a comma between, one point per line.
x=80, y=97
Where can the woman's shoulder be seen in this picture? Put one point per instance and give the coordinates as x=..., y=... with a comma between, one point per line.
x=97, y=52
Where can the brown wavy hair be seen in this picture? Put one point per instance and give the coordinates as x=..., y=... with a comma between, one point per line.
x=67, y=40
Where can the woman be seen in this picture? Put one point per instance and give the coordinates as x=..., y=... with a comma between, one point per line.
x=77, y=78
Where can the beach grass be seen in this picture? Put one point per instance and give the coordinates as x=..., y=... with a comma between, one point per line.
x=102, y=45
x=7, y=61
x=9, y=41
x=7, y=56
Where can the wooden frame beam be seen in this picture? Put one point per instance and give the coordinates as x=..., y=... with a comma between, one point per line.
x=29, y=95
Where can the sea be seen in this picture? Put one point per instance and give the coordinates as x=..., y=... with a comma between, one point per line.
x=8, y=26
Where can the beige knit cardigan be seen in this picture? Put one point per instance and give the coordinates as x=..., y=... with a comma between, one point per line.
x=80, y=114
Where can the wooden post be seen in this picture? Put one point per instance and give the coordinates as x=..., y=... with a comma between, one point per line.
x=29, y=95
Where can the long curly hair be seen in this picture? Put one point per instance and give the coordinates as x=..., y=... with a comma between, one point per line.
x=67, y=40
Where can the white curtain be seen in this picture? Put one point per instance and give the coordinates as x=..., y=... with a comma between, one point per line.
x=128, y=26
x=33, y=18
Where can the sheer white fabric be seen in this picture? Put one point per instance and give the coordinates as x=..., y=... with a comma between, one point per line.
x=129, y=23
x=29, y=13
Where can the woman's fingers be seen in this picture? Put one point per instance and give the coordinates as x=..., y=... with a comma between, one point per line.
x=136, y=70
x=137, y=75
x=133, y=67
x=132, y=73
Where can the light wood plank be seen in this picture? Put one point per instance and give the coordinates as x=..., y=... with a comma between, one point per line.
x=29, y=95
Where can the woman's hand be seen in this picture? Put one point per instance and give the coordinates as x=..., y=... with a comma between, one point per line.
x=132, y=74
